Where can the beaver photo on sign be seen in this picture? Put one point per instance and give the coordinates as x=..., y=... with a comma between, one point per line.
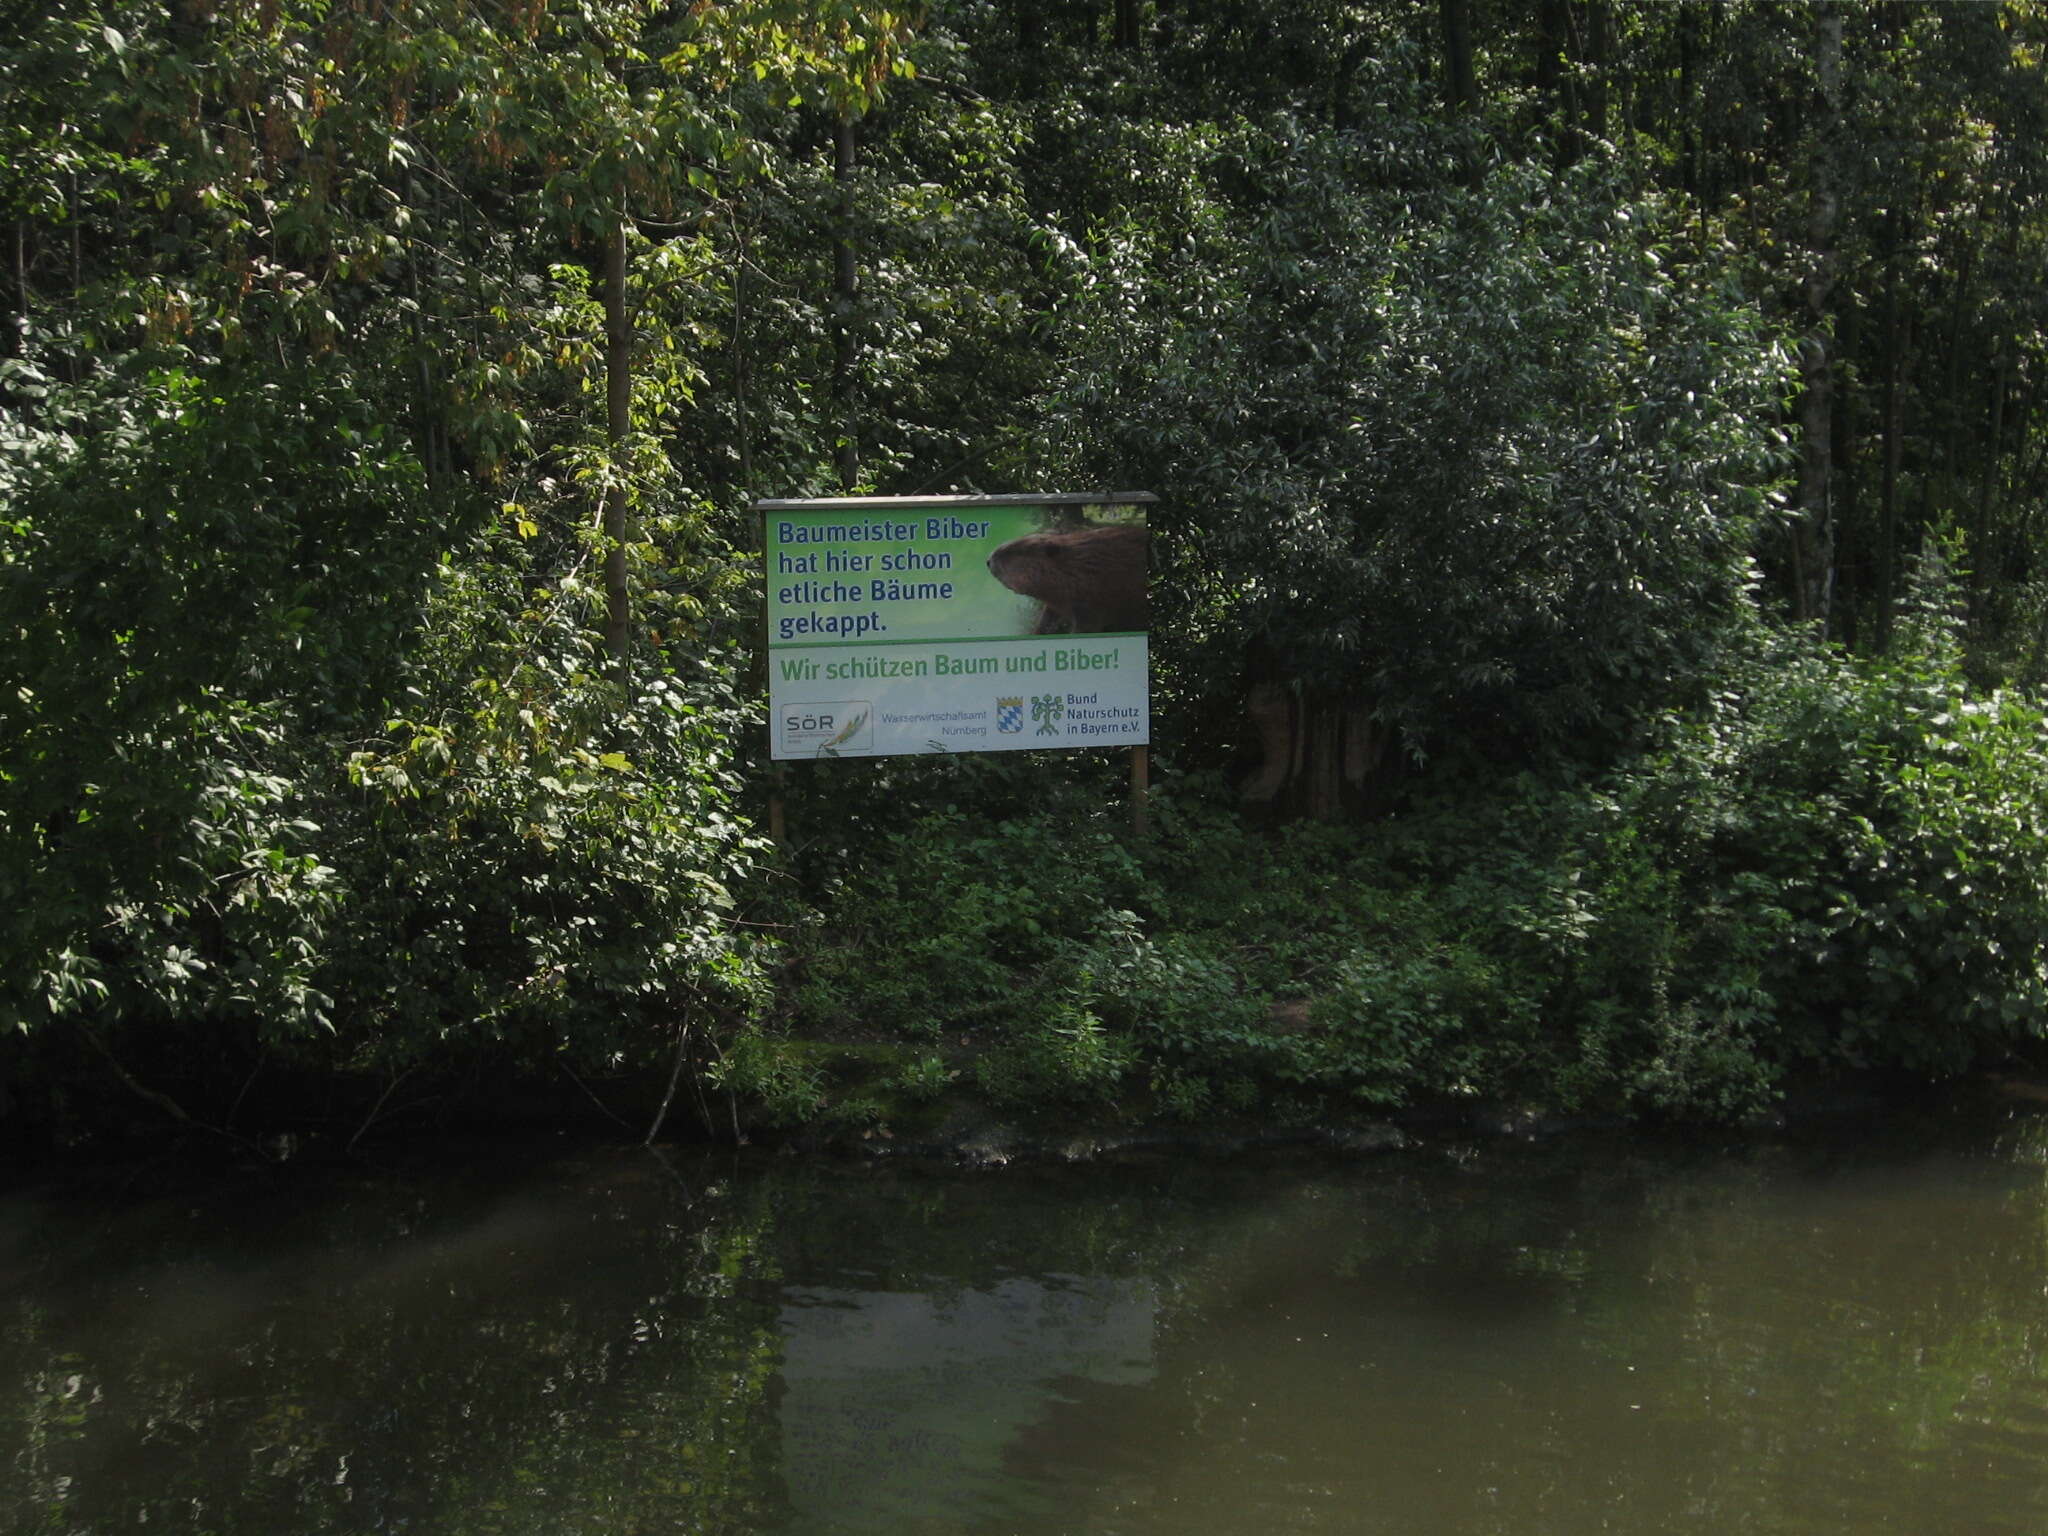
x=1088, y=580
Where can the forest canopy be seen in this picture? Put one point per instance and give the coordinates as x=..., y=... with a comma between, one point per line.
x=1601, y=609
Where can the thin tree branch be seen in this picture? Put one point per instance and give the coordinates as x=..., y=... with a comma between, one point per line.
x=162, y=1101
x=603, y=1108
x=675, y=1076
x=371, y=1118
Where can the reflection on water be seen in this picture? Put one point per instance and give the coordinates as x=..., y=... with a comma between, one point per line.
x=1794, y=1337
x=899, y=1408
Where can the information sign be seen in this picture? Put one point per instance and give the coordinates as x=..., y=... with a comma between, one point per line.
x=951, y=624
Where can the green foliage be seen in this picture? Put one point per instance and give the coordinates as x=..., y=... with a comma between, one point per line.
x=184, y=609
x=1063, y=1057
x=299, y=755
x=775, y=1074
x=1830, y=863
x=1464, y=412
x=1488, y=458
x=1864, y=840
x=537, y=859
x=924, y=1077
x=958, y=911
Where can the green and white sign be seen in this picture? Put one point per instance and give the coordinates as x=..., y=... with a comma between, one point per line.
x=949, y=624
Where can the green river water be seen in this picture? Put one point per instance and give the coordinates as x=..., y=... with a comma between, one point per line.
x=1806, y=1334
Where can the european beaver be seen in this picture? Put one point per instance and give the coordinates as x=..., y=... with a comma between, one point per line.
x=1090, y=581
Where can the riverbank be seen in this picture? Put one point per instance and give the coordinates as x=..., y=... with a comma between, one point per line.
x=864, y=1114
x=1833, y=866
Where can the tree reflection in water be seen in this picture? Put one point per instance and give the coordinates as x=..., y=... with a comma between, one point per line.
x=1787, y=1336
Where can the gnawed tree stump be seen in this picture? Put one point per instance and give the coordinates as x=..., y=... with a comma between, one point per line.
x=1318, y=753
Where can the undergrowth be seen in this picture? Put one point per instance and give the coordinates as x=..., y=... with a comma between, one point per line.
x=1833, y=863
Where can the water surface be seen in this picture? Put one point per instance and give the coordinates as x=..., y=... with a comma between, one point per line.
x=1808, y=1335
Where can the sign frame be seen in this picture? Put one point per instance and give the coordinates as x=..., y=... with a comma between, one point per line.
x=817, y=616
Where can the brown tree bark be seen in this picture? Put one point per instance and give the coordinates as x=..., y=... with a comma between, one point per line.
x=845, y=296
x=1461, y=80
x=17, y=331
x=618, y=392
x=1127, y=27
x=1994, y=445
x=1813, y=536
x=1342, y=118
x=1599, y=57
x=742, y=352
x=1849, y=603
x=1689, y=153
x=1317, y=754
x=1898, y=343
x=1556, y=79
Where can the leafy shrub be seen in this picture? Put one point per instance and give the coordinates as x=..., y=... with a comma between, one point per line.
x=946, y=924
x=1864, y=850
x=541, y=859
x=1486, y=456
x=1182, y=999
x=202, y=574
x=923, y=1078
x=774, y=1074
x=1064, y=1057
x=1830, y=862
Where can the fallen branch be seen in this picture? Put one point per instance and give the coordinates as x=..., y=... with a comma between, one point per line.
x=603, y=1108
x=249, y=1082
x=163, y=1101
x=371, y=1118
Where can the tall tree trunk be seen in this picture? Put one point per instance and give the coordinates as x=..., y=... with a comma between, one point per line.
x=618, y=394
x=1556, y=76
x=1992, y=563
x=1461, y=81
x=1317, y=754
x=2023, y=433
x=1688, y=112
x=2029, y=485
x=1964, y=302
x=435, y=454
x=74, y=363
x=1813, y=536
x=742, y=358
x=17, y=332
x=1342, y=118
x=1898, y=343
x=1849, y=603
x=77, y=239
x=1598, y=59
x=1127, y=24
x=845, y=298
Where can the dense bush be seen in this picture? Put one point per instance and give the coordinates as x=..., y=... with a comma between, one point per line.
x=1489, y=458
x=1831, y=864
x=536, y=859
x=223, y=841
x=343, y=346
x=186, y=610
x=1857, y=850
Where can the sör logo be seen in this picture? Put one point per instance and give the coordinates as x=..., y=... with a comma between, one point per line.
x=827, y=729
